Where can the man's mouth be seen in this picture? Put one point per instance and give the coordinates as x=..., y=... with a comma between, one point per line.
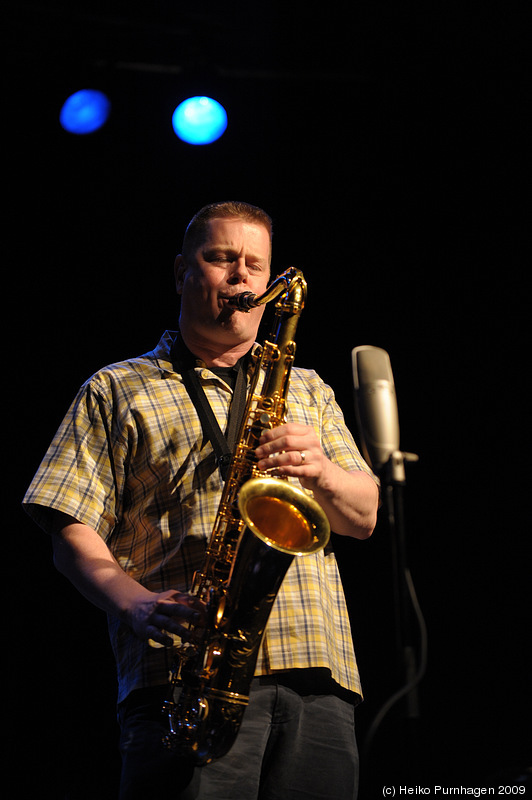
x=245, y=300
x=226, y=307
x=228, y=300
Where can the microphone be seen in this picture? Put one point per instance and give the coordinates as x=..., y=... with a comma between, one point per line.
x=375, y=404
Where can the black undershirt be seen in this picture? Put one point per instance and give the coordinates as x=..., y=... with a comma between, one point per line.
x=227, y=374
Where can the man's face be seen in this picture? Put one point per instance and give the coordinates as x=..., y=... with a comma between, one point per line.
x=235, y=257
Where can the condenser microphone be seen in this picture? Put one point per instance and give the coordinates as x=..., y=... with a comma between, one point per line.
x=375, y=404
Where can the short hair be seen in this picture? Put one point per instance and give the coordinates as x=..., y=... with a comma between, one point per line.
x=196, y=231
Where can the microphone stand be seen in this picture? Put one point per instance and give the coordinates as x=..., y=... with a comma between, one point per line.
x=393, y=481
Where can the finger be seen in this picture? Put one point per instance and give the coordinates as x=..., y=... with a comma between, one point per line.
x=177, y=611
x=180, y=603
x=167, y=629
x=158, y=637
x=294, y=458
x=278, y=462
x=287, y=429
x=278, y=446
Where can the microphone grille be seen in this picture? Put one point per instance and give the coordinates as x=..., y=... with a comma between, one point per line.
x=370, y=364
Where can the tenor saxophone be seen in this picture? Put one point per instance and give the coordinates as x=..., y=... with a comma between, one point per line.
x=262, y=523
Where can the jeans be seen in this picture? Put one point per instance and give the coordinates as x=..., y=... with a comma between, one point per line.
x=292, y=745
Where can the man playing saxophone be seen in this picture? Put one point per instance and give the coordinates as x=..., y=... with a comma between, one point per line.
x=129, y=490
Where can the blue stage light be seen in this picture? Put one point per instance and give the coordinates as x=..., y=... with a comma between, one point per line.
x=199, y=120
x=84, y=111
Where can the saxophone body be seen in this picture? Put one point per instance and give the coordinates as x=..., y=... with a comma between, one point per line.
x=262, y=524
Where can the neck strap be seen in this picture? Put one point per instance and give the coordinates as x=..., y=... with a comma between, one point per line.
x=223, y=444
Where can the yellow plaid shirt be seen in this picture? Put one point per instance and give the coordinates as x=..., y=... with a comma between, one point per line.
x=130, y=461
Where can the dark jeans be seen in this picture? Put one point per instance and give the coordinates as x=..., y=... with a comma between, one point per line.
x=291, y=746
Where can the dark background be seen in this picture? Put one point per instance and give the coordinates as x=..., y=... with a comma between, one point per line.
x=388, y=142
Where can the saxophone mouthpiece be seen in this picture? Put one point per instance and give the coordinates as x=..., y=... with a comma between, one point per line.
x=244, y=301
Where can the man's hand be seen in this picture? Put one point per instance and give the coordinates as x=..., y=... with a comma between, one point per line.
x=295, y=450
x=155, y=616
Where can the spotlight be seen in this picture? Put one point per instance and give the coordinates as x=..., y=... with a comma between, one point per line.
x=84, y=111
x=199, y=120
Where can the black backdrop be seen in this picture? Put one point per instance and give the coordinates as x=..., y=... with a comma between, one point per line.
x=388, y=144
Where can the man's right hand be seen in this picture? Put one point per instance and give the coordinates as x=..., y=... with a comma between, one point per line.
x=155, y=617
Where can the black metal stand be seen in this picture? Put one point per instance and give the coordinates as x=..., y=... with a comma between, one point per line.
x=409, y=623
x=393, y=481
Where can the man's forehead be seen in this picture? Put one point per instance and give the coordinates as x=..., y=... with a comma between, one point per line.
x=229, y=231
x=232, y=226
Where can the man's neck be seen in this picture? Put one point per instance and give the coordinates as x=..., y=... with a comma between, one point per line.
x=215, y=355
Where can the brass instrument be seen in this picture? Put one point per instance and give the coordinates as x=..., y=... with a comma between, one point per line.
x=263, y=522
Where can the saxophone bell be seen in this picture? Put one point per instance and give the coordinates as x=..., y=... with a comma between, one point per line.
x=283, y=516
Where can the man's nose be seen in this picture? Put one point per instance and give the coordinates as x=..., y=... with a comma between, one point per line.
x=239, y=271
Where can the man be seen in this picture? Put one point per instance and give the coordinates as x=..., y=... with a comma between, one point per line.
x=129, y=490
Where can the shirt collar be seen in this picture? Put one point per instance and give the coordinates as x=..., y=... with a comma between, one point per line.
x=172, y=354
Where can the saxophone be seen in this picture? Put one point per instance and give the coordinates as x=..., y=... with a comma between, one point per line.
x=262, y=523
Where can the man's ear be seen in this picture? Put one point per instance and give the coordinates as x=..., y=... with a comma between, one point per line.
x=179, y=272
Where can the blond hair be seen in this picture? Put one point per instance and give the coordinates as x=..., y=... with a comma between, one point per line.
x=196, y=231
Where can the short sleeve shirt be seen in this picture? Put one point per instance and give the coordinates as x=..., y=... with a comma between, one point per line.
x=131, y=461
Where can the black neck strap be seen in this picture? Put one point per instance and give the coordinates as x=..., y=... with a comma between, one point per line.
x=223, y=445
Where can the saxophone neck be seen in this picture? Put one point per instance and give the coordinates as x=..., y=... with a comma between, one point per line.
x=287, y=282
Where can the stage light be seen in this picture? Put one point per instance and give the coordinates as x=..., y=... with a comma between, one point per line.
x=199, y=120
x=84, y=111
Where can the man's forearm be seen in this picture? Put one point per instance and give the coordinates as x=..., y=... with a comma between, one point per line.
x=82, y=556
x=350, y=500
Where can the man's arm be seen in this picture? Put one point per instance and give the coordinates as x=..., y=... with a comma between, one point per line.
x=350, y=500
x=82, y=556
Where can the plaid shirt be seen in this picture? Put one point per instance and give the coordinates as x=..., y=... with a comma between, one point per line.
x=130, y=461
